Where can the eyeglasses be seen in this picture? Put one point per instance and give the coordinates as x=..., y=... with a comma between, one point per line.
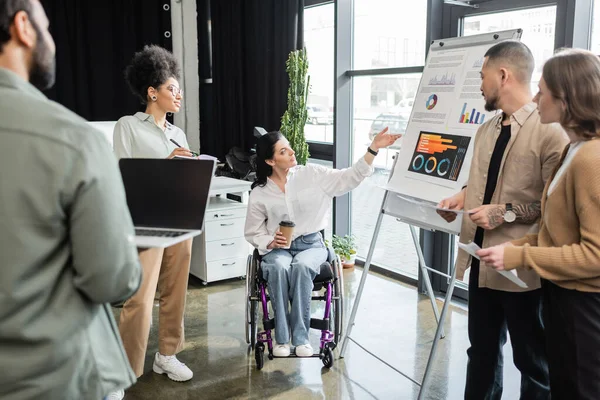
x=175, y=90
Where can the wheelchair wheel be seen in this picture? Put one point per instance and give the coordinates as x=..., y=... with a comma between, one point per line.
x=259, y=355
x=327, y=357
x=251, y=305
x=253, y=322
x=338, y=304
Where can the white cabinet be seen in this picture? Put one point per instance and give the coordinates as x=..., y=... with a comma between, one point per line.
x=221, y=251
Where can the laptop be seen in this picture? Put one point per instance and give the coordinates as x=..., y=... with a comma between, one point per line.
x=167, y=199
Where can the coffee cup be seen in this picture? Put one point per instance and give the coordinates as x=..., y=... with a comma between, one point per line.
x=287, y=229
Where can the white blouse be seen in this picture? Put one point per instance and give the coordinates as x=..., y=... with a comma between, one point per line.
x=138, y=136
x=573, y=148
x=306, y=201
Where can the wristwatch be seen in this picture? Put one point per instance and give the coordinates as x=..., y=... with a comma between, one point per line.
x=509, y=214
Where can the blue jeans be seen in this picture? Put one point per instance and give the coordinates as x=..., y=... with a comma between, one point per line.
x=289, y=274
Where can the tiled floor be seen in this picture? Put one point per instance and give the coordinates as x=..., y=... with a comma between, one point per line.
x=394, y=322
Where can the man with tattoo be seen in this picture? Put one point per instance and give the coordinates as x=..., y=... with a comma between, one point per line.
x=514, y=155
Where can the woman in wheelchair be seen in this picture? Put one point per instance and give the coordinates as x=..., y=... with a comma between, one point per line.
x=302, y=194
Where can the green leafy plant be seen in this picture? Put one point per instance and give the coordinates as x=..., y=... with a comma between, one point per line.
x=344, y=246
x=294, y=119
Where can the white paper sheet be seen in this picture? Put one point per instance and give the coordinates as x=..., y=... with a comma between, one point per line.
x=431, y=205
x=472, y=248
x=200, y=157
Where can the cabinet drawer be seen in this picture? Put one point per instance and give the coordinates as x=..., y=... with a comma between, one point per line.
x=228, y=248
x=226, y=269
x=217, y=215
x=219, y=230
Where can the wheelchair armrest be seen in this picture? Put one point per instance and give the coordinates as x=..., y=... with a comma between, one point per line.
x=325, y=273
x=331, y=255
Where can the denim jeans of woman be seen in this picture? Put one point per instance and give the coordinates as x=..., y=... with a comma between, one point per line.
x=289, y=274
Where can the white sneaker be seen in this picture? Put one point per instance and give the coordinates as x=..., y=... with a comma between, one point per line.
x=281, y=350
x=118, y=395
x=304, y=350
x=170, y=365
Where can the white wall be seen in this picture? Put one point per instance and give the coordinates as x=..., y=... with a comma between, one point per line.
x=106, y=127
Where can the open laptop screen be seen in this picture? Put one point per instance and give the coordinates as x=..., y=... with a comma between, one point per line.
x=167, y=193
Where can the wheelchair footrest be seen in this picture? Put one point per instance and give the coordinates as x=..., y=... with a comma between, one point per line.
x=269, y=324
x=319, y=324
x=317, y=355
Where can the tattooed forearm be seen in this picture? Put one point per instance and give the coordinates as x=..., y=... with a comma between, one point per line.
x=528, y=213
x=495, y=217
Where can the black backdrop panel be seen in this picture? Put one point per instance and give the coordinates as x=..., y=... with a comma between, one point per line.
x=95, y=41
x=251, y=40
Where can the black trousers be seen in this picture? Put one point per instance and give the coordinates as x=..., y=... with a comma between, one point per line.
x=572, y=320
x=491, y=314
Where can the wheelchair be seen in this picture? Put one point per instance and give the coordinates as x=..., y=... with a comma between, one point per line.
x=328, y=285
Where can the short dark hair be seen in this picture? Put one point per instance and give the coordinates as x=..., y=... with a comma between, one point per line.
x=514, y=54
x=8, y=10
x=150, y=67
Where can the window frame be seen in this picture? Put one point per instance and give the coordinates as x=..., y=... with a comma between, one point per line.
x=572, y=29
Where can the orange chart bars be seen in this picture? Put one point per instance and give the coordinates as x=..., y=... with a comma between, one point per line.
x=431, y=144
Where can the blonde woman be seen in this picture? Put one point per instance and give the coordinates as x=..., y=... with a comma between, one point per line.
x=566, y=251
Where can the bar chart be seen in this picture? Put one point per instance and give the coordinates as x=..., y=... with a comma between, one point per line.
x=472, y=116
x=431, y=144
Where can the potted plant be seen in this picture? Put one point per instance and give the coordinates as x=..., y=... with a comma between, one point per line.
x=345, y=247
x=294, y=119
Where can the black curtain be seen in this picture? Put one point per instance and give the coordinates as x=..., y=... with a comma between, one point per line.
x=95, y=41
x=251, y=41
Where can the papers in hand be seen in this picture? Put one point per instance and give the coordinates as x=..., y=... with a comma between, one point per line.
x=200, y=157
x=454, y=211
x=207, y=157
x=472, y=249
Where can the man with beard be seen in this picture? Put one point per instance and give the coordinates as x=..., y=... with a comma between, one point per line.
x=514, y=155
x=66, y=236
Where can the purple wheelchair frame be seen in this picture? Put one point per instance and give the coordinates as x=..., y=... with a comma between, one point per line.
x=265, y=336
x=328, y=337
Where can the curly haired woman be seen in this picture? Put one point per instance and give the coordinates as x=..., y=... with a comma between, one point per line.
x=153, y=78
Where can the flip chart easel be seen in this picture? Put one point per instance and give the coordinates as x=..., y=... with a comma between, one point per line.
x=405, y=180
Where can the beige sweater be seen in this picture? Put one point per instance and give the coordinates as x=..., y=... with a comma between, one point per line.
x=566, y=250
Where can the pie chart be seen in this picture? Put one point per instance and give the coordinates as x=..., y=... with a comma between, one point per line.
x=431, y=102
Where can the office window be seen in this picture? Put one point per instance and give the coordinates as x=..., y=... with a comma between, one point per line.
x=381, y=101
x=538, y=26
x=319, y=23
x=387, y=34
x=328, y=164
x=595, y=42
x=401, y=26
